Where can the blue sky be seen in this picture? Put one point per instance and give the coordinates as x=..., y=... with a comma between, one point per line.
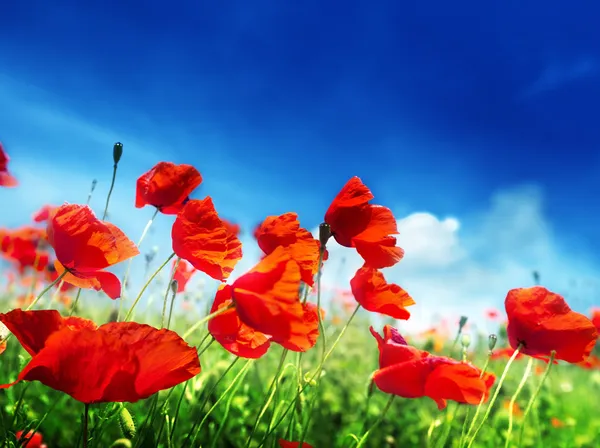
x=440, y=108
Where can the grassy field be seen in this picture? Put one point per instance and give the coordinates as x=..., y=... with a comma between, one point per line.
x=220, y=405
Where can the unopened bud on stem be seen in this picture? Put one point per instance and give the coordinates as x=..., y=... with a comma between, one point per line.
x=324, y=234
x=117, y=152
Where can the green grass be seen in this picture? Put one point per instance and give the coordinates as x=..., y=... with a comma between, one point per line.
x=341, y=413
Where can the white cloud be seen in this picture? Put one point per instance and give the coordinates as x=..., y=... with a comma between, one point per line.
x=454, y=268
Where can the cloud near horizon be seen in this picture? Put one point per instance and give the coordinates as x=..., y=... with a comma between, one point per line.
x=451, y=269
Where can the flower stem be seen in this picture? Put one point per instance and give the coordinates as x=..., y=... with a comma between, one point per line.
x=45, y=290
x=85, y=424
x=513, y=400
x=323, y=347
x=166, y=298
x=112, y=185
x=75, y=302
x=535, y=395
x=204, y=320
x=198, y=423
x=495, y=396
x=268, y=396
x=301, y=389
x=126, y=276
x=363, y=439
x=139, y=296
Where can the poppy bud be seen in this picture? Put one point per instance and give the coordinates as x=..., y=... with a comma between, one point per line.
x=462, y=322
x=94, y=183
x=117, y=152
x=324, y=234
x=174, y=286
x=492, y=339
x=465, y=341
x=126, y=423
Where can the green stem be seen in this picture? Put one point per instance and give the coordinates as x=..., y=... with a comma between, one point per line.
x=495, y=396
x=198, y=423
x=45, y=290
x=85, y=424
x=204, y=320
x=268, y=396
x=535, y=395
x=363, y=439
x=323, y=349
x=166, y=298
x=463, y=436
x=235, y=385
x=19, y=402
x=75, y=302
x=450, y=414
x=141, y=293
x=112, y=185
x=295, y=399
x=177, y=409
x=513, y=400
x=126, y=276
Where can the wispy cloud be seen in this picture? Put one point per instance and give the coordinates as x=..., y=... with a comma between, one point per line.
x=557, y=75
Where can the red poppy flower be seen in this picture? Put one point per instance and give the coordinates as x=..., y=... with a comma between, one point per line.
x=116, y=362
x=232, y=227
x=411, y=373
x=167, y=187
x=31, y=439
x=43, y=214
x=367, y=227
x=183, y=273
x=6, y=179
x=492, y=314
x=303, y=333
x=285, y=231
x=267, y=297
x=85, y=246
x=229, y=331
x=374, y=294
x=542, y=322
x=200, y=237
x=285, y=444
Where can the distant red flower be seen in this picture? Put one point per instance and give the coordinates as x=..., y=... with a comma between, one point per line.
x=556, y=423
x=31, y=439
x=285, y=444
x=6, y=179
x=374, y=294
x=116, y=362
x=25, y=246
x=182, y=274
x=229, y=331
x=596, y=318
x=285, y=231
x=492, y=314
x=411, y=373
x=267, y=297
x=167, y=187
x=200, y=237
x=542, y=322
x=43, y=214
x=367, y=227
x=85, y=246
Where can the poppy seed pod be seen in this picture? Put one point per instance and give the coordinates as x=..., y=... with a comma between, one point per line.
x=324, y=234
x=117, y=152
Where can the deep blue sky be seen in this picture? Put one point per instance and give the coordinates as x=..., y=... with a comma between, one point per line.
x=436, y=105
